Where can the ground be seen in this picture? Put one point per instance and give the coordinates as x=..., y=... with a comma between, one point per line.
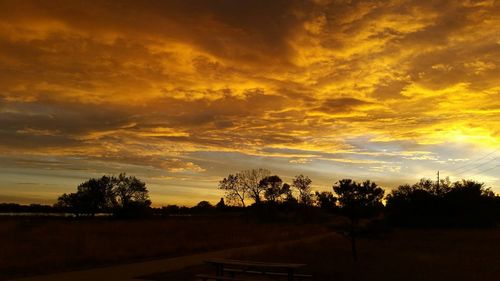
x=35, y=247
x=32, y=246
x=437, y=254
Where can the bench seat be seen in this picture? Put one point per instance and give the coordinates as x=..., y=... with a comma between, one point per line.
x=206, y=277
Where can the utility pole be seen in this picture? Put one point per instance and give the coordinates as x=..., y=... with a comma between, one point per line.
x=438, y=180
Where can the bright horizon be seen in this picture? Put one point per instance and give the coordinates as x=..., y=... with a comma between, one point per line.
x=182, y=93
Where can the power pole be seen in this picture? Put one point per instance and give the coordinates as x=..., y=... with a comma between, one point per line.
x=438, y=180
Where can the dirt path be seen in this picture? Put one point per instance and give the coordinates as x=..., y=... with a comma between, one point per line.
x=131, y=272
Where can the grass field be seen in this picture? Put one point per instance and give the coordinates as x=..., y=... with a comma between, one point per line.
x=37, y=245
x=402, y=255
x=33, y=246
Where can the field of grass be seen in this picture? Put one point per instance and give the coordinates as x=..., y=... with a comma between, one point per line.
x=38, y=245
x=453, y=254
x=401, y=255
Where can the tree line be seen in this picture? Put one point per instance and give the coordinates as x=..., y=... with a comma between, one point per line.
x=257, y=184
x=425, y=203
x=123, y=196
x=260, y=187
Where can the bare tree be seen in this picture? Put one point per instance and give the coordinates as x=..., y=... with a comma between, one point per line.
x=250, y=181
x=235, y=191
x=303, y=185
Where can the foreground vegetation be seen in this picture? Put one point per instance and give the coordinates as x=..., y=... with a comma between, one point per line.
x=40, y=245
x=416, y=254
x=280, y=212
x=402, y=254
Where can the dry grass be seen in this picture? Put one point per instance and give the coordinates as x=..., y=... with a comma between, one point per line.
x=35, y=246
x=409, y=255
x=32, y=246
x=402, y=255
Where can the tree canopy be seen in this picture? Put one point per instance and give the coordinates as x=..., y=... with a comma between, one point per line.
x=462, y=203
x=303, y=185
x=358, y=199
x=122, y=195
x=245, y=184
x=273, y=186
x=424, y=202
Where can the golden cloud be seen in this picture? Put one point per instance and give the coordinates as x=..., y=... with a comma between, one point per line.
x=151, y=83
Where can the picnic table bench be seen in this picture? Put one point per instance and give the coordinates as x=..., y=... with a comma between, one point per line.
x=252, y=268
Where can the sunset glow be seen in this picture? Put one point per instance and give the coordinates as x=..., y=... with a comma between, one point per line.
x=183, y=93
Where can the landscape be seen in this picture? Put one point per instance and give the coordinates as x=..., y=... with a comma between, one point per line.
x=249, y=140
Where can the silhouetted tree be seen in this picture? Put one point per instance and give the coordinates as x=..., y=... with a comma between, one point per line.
x=432, y=187
x=125, y=196
x=412, y=204
x=463, y=203
x=287, y=190
x=130, y=196
x=303, y=185
x=273, y=186
x=250, y=179
x=235, y=189
x=203, y=207
x=92, y=196
x=469, y=203
x=170, y=210
x=444, y=186
x=77, y=203
x=288, y=198
x=326, y=200
x=356, y=201
x=31, y=208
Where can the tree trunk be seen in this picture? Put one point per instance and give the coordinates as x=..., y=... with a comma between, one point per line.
x=353, y=240
x=353, y=247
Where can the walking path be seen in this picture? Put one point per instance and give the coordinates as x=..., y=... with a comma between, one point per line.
x=132, y=271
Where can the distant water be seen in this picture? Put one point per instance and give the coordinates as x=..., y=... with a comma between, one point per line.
x=39, y=214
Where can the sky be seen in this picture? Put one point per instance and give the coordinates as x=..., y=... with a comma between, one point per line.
x=183, y=93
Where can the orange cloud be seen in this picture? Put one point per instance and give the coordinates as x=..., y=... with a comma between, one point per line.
x=169, y=88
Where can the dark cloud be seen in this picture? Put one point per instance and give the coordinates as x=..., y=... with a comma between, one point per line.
x=341, y=105
x=390, y=90
x=249, y=31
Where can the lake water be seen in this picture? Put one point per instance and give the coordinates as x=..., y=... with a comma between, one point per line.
x=35, y=214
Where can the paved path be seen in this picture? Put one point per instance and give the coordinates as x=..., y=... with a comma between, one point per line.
x=132, y=271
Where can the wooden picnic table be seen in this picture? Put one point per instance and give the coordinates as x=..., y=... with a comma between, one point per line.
x=255, y=267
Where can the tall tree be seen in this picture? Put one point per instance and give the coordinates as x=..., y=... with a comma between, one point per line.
x=326, y=200
x=91, y=197
x=130, y=196
x=273, y=186
x=303, y=185
x=288, y=195
x=123, y=195
x=129, y=190
x=462, y=203
x=250, y=179
x=235, y=190
x=356, y=201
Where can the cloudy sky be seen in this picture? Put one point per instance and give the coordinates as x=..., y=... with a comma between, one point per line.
x=182, y=93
